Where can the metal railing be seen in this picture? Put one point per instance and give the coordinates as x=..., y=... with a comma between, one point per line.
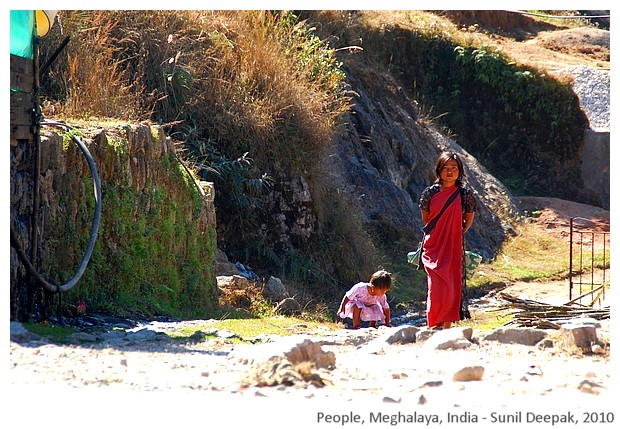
x=589, y=263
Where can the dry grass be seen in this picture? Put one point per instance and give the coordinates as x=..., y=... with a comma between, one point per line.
x=96, y=76
x=234, y=76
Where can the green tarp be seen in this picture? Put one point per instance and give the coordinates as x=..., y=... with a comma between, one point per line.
x=22, y=32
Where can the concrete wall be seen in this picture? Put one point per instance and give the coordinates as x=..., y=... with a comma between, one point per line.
x=595, y=160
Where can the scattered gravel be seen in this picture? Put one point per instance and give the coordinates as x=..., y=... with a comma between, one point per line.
x=199, y=381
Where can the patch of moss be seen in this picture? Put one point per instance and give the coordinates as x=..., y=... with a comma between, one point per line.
x=154, y=253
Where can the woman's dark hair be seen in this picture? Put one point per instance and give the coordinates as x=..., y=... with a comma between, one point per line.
x=381, y=279
x=441, y=161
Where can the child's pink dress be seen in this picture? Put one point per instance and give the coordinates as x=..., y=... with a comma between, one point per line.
x=372, y=306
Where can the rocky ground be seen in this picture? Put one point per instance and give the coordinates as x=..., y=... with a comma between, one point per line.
x=403, y=369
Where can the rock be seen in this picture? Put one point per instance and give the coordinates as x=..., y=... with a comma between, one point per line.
x=393, y=335
x=449, y=339
x=144, y=334
x=402, y=335
x=273, y=372
x=294, y=348
x=588, y=386
x=545, y=344
x=423, y=335
x=19, y=334
x=234, y=282
x=114, y=336
x=392, y=398
x=275, y=290
x=278, y=370
x=289, y=307
x=84, y=337
x=580, y=336
x=311, y=352
x=525, y=336
x=467, y=332
x=198, y=337
x=289, y=362
x=223, y=267
x=469, y=373
x=224, y=333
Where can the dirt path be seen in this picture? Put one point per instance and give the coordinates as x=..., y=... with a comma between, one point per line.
x=157, y=384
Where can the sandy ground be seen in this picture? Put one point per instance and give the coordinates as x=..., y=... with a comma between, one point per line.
x=399, y=378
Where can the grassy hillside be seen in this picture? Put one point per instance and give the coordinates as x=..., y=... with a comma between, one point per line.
x=249, y=97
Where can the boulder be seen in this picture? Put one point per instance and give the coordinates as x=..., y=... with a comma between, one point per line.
x=275, y=290
x=525, y=336
x=288, y=307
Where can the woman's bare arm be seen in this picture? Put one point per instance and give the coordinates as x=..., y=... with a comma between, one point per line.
x=469, y=219
x=424, y=217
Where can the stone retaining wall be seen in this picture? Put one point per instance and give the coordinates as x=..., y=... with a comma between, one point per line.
x=155, y=249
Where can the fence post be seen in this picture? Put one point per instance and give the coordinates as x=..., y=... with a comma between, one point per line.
x=570, y=262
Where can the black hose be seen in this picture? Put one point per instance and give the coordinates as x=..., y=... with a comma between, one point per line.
x=94, y=230
x=52, y=58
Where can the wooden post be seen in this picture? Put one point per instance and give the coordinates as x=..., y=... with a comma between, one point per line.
x=22, y=105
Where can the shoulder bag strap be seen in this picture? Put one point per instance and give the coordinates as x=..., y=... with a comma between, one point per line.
x=433, y=221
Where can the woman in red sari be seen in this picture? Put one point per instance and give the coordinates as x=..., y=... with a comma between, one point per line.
x=442, y=249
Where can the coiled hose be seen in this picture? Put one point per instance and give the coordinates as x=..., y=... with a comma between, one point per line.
x=93, y=232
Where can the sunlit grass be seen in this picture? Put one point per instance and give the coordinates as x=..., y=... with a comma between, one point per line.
x=247, y=329
x=487, y=320
x=533, y=254
x=549, y=16
x=58, y=334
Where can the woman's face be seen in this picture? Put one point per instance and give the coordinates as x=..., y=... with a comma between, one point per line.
x=449, y=173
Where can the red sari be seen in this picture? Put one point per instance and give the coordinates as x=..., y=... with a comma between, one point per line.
x=442, y=258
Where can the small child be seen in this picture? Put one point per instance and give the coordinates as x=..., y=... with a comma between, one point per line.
x=367, y=301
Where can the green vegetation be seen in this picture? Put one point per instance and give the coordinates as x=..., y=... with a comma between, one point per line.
x=534, y=255
x=55, y=333
x=523, y=125
x=151, y=256
x=248, y=329
x=488, y=320
x=549, y=16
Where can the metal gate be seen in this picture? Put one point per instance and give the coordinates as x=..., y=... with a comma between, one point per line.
x=589, y=263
